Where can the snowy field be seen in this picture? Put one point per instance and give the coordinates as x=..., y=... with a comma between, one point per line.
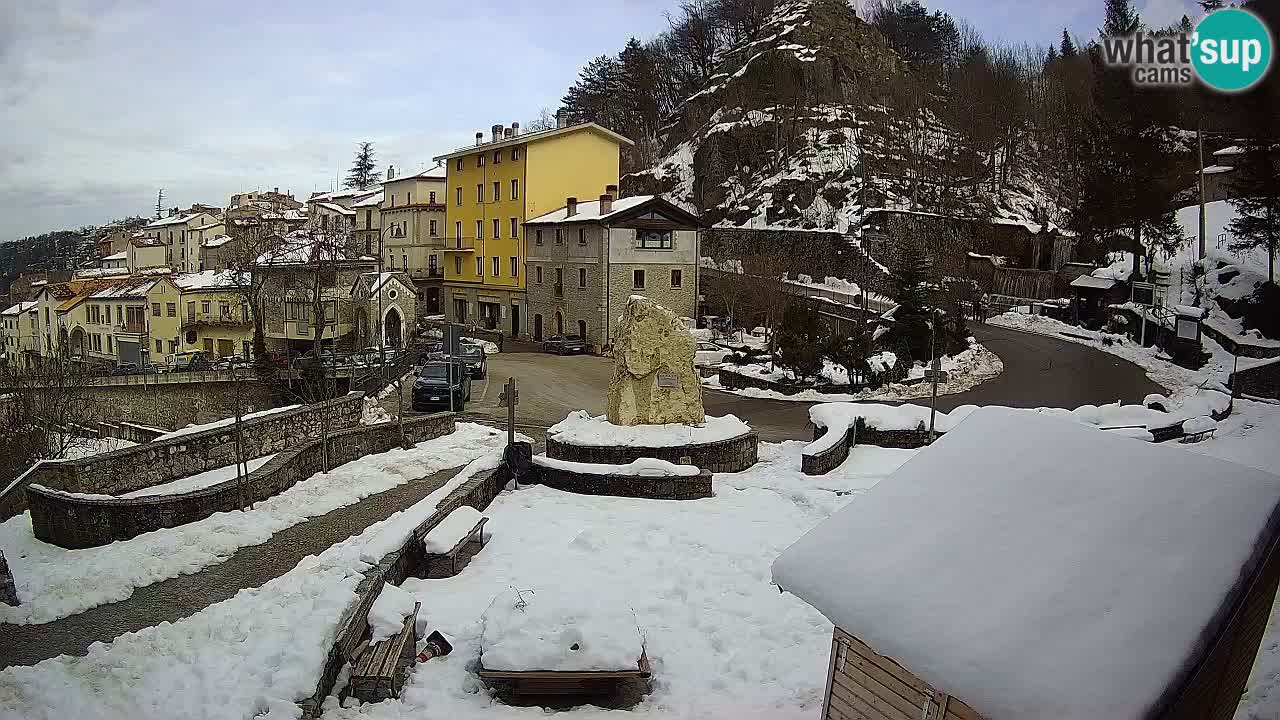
x=54, y=582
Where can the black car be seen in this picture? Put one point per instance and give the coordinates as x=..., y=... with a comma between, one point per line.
x=565, y=345
x=473, y=357
x=442, y=384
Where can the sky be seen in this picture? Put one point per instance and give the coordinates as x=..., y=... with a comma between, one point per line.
x=104, y=102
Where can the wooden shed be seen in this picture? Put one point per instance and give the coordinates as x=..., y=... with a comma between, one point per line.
x=1026, y=566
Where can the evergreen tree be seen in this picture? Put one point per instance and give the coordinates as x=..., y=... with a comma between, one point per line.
x=1068, y=49
x=362, y=174
x=1051, y=56
x=1121, y=18
x=801, y=341
x=1257, y=189
x=908, y=283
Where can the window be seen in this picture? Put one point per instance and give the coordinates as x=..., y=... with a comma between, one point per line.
x=408, y=199
x=432, y=197
x=559, y=282
x=204, y=307
x=457, y=266
x=515, y=267
x=109, y=348
x=224, y=308
x=497, y=266
x=480, y=266
x=479, y=229
x=159, y=347
x=537, y=236
x=677, y=278
x=515, y=189
x=515, y=225
x=497, y=190
x=404, y=262
x=171, y=309
x=637, y=279
x=108, y=314
x=433, y=228
x=173, y=346
x=582, y=236
x=392, y=260
x=559, y=239
x=459, y=200
x=393, y=199
x=515, y=153
x=497, y=228
x=657, y=239
x=497, y=156
x=458, y=165
x=479, y=192
x=480, y=160
x=537, y=273
x=582, y=277
x=457, y=232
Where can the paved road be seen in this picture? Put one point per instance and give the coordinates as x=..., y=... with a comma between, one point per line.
x=186, y=595
x=1039, y=371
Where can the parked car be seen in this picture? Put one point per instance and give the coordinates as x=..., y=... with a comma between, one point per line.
x=474, y=358
x=125, y=369
x=431, y=350
x=565, y=345
x=710, y=354
x=442, y=383
x=187, y=361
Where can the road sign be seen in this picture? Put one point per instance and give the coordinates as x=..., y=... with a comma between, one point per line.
x=932, y=375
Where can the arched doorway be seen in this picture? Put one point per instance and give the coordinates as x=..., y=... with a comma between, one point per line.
x=392, y=328
x=582, y=329
x=559, y=323
x=362, y=328
x=75, y=345
x=537, y=326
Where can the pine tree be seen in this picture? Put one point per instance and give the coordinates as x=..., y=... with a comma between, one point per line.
x=907, y=286
x=1257, y=189
x=1121, y=18
x=362, y=174
x=1068, y=49
x=1051, y=57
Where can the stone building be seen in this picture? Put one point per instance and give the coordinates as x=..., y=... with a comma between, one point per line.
x=389, y=296
x=586, y=259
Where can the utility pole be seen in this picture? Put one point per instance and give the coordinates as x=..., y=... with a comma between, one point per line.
x=160, y=204
x=1200, y=142
x=934, y=368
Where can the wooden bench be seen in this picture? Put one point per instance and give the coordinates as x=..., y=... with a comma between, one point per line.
x=557, y=682
x=380, y=672
x=1197, y=436
x=433, y=537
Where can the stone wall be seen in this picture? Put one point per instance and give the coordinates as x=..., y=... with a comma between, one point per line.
x=81, y=522
x=162, y=461
x=1238, y=345
x=734, y=380
x=823, y=462
x=1260, y=381
x=353, y=628
x=726, y=456
x=175, y=405
x=653, y=488
x=905, y=439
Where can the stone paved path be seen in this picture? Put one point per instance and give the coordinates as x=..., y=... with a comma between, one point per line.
x=179, y=597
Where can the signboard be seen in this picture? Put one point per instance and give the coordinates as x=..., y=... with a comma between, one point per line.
x=931, y=375
x=667, y=380
x=1188, y=329
x=1144, y=293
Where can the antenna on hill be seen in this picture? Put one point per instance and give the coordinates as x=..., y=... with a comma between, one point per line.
x=159, y=203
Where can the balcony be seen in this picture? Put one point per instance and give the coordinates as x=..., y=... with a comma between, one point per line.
x=460, y=245
x=430, y=273
x=234, y=318
x=132, y=327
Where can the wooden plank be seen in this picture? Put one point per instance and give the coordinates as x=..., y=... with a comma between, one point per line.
x=831, y=671
x=957, y=709
x=886, y=679
x=856, y=708
x=850, y=691
x=886, y=664
x=853, y=677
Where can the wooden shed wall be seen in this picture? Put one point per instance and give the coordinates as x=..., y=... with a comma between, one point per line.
x=863, y=685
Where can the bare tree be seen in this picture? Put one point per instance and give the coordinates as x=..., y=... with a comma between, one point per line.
x=43, y=412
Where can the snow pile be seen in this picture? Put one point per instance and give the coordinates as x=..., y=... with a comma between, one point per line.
x=838, y=416
x=188, y=430
x=1118, y=610
x=883, y=361
x=1114, y=416
x=53, y=582
x=453, y=528
x=374, y=414
x=255, y=654
x=1200, y=424
x=640, y=467
x=390, y=608
x=580, y=428
x=199, y=481
x=557, y=628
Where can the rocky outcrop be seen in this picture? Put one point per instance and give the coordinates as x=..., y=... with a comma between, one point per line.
x=654, y=381
x=8, y=593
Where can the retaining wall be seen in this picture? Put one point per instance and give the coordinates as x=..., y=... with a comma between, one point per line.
x=353, y=628
x=823, y=462
x=1238, y=346
x=1260, y=381
x=80, y=522
x=158, y=462
x=725, y=456
x=653, y=488
x=906, y=439
x=734, y=380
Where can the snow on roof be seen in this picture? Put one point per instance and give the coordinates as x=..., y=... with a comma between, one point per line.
x=1097, y=283
x=379, y=279
x=300, y=248
x=210, y=280
x=20, y=308
x=100, y=272
x=537, y=136
x=344, y=193
x=1217, y=169
x=217, y=241
x=590, y=211
x=128, y=287
x=436, y=172
x=1034, y=567
x=1233, y=150
x=117, y=256
x=334, y=207
x=372, y=201
x=216, y=222
x=179, y=219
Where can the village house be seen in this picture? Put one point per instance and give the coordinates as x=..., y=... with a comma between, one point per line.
x=493, y=188
x=367, y=223
x=173, y=231
x=214, y=314
x=146, y=253
x=413, y=229
x=21, y=334
x=586, y=258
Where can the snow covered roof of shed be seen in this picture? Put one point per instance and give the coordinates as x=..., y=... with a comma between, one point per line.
x=210, y=280
x=122, y=255
x=335, y=208
x=1217, y=169
x=1233, y=150
x=372, y=201
x=217, y=241
x=1034, y=567
x=589, y=211
x=1096, y=283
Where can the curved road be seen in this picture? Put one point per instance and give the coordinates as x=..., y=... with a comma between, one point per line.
x=1039, y=371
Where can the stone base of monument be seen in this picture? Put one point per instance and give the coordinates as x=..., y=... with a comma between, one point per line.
x=719, y=444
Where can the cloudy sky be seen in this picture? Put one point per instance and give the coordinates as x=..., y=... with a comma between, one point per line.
x=103, y=102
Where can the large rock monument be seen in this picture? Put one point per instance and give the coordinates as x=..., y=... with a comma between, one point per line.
x=654, y=381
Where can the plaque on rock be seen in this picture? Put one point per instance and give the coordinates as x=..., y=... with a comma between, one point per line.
x=667, y=380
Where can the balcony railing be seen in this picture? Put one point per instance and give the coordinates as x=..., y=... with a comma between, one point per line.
x=233, y=318
x=431, y=273
x=460, y=244
x=132, y=327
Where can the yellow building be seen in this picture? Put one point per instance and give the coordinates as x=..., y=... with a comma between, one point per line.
x=493, y=187
x=213, y=314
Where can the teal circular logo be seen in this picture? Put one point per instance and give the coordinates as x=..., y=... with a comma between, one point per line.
x=1231, y=50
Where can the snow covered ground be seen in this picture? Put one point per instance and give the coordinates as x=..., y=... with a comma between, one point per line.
x=198, y=481
x=225, y=422
x=580, y=428
x=54, y=582
x=253, y=655
x=82, y=447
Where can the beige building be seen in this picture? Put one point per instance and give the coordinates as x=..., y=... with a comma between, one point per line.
x=196, y=239
x=218, y=253
x=146, y=253
x=334, y=211
x=587, y=258
x=413, y=220
x=21, y=334
x=368, y=223
x=214, y=316
x=173, y=231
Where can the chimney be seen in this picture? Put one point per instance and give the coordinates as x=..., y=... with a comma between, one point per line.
x=606, y=204
x=479, y=138
x=506, y=133
x=497, y=132
x=612, y=190
x=515, y=128
x=276, y=191
x=391, y=172
x=562, y=118
x=570, y=207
